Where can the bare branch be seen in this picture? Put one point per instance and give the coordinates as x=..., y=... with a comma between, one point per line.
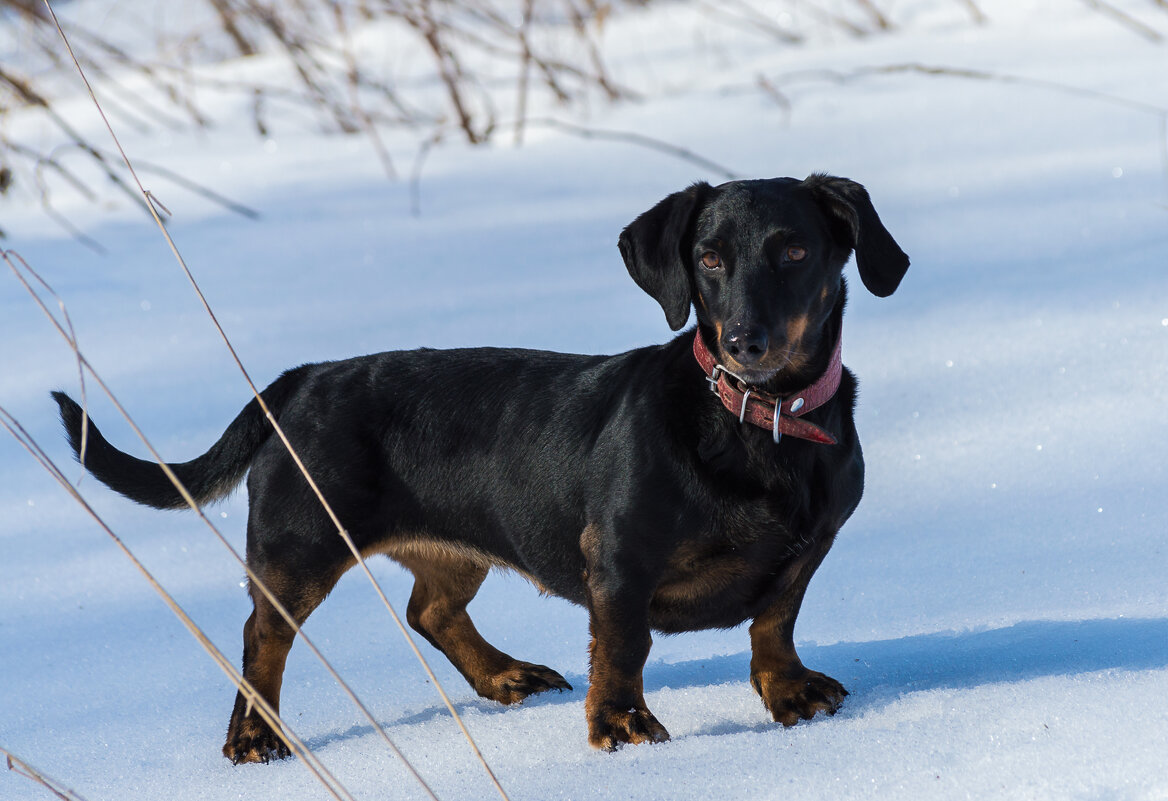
x=227, y=18
x=22, y=768
x=877, y=16
x=630, y=137
x=292, y=452
x=1125, y=19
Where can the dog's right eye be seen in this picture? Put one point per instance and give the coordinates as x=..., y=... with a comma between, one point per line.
x=711, y=260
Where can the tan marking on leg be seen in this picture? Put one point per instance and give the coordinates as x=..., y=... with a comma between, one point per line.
x=590, y=541
x=446, y=579
x=267, y=638
x=789, y=690
x=615, y=706
x=429, y=549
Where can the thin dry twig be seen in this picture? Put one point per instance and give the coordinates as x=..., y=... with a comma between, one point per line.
x=22, y=768
x=449, y=68
x=979, y=17
x=360, y=560
x=835, y=20
x=354, y=81
x=581, y=131
x=314, y=36
x=255, y=700
x=746, y=17
x=83, y=362
x=876, y=14
x=641, y=140
x=70, y=334
x=524, y=68
x=600, y=75
x=14, y=427
x=228, y=16
x=416, y=171
x=312, y=73
x=835, y=76
x=1127, y=20
x=27, y=93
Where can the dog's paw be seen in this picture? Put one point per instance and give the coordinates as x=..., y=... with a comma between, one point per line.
x=609, y=729
x=791, y=699
x=520, y=680
x=254, y=741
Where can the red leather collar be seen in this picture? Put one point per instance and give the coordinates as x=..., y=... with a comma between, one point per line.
x=758, y=408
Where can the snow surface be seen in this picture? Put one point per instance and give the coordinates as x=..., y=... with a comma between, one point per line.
x=997, y=606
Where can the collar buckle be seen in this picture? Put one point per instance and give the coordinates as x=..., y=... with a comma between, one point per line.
x=713, y=378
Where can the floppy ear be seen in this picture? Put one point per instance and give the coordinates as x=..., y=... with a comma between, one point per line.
x=881, y=261
x=652, y=246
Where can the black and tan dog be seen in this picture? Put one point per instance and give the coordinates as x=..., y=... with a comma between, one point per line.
x=621, y=483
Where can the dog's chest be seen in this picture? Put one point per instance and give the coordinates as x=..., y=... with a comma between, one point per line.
x=720, y=581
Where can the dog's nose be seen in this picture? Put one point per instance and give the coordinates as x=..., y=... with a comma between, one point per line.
x=746, y=344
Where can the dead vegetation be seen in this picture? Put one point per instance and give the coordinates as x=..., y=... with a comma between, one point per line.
x=472, y=67
x=465, y=42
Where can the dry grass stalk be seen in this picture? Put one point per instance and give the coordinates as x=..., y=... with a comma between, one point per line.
x=295, y=745
x=313, y=35
x=975, y=12
x=354, y=82
x=66, y=332
x=742, y=14
x=1125, y=19
x=14, y=427
x=524, y=69
x=300, y=465
x=876, y=14
x=835, y=76
x=22, y=768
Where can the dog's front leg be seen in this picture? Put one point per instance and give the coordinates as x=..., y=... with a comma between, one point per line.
x=618, y=606
x=615, y=705
x=788, y=689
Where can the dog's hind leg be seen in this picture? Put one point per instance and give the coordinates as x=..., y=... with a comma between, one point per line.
x=267, y=638
x=444, y=583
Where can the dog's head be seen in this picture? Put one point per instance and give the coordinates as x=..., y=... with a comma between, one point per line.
x=761, y=261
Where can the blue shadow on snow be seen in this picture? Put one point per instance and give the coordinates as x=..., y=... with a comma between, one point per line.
x=879, y=671
x=934, y=661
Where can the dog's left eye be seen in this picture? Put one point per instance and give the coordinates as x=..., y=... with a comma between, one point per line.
x=796, y=253
x=711, y=260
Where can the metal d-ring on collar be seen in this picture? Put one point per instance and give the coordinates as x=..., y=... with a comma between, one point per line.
x=796, y=405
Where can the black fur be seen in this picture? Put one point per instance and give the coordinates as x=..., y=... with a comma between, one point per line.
x=617, y=482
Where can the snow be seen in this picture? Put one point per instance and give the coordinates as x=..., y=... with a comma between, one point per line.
x=997, y=606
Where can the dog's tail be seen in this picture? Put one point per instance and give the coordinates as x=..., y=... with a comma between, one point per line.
x=207, y=477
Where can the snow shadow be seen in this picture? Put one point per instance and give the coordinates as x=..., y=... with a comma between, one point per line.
x=885, y=669
x=880, y=671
